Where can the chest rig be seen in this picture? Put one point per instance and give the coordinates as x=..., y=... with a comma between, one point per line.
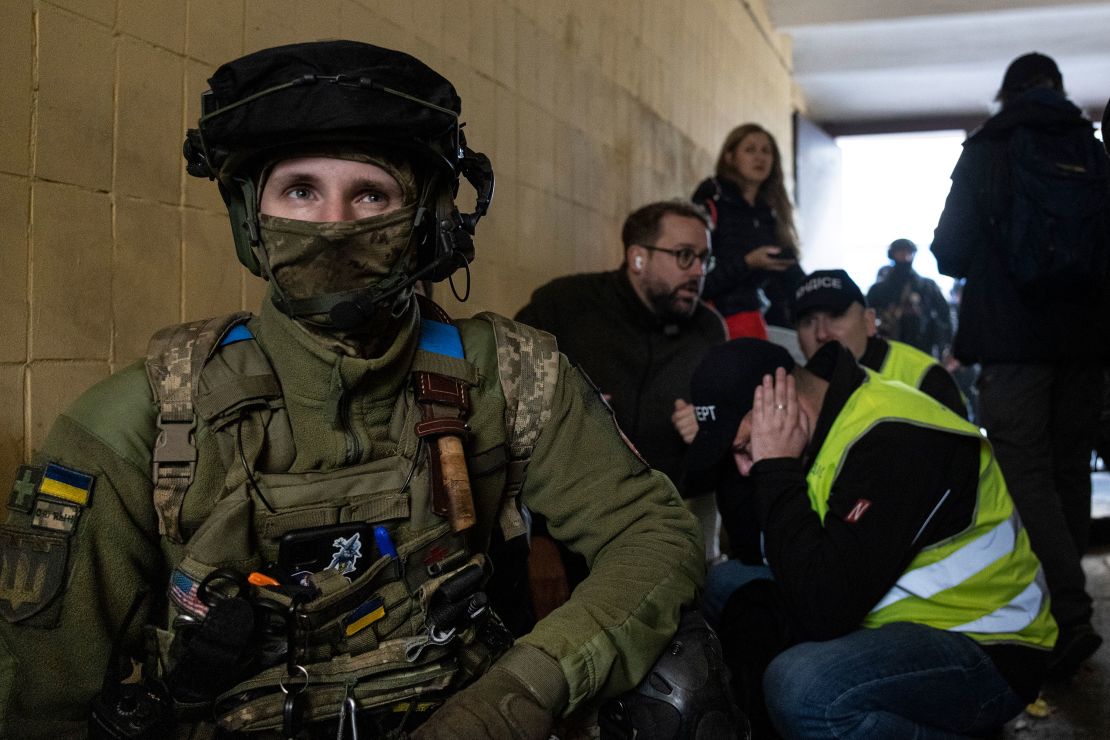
x=259, y=649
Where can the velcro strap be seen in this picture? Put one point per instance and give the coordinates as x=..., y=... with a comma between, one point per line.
x=443, y=425
x=248, y=387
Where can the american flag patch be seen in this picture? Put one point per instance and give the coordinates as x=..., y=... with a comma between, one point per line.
x=183, y=592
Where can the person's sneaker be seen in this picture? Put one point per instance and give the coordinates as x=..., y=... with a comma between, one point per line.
x=1073, y=646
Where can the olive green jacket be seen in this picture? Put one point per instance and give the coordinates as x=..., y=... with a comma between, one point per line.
x=598, y=497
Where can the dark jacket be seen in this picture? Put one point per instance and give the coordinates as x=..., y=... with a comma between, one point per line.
x=996, y=324
x=641, y=363
x=913, y=310
x=831, y=575
x=740, y=227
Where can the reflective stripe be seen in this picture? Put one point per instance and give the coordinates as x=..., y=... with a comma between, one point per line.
x=956, y=568
x=1009, y=618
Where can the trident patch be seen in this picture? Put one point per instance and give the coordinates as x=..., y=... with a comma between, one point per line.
x=32, y=570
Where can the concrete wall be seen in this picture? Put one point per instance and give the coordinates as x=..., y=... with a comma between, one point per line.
x=587, y=110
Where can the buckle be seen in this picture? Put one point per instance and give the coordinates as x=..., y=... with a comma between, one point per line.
x=175, y=454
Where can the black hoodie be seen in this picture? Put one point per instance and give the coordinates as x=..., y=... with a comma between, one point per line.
x=995, y=323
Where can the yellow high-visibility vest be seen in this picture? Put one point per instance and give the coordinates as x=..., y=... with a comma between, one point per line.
x=985, y=581
x=906, y=364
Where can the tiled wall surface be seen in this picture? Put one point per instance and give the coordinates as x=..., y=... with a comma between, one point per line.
x=587, y=110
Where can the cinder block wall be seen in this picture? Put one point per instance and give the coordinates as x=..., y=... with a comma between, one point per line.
x=587, y=110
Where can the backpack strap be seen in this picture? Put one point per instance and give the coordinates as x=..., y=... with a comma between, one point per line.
x=528, y=368
x=175, y=357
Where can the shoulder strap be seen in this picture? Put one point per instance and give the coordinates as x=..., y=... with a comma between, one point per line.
x=444, y=402
x=175, y=357
x=528, y=368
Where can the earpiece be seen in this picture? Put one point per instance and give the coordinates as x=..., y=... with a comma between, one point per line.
x=639, y=263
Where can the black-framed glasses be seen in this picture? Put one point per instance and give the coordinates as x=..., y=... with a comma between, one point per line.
x=685, y=257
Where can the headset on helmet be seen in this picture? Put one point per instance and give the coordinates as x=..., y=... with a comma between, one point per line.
x=341, y=92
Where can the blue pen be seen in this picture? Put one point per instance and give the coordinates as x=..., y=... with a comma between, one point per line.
x=384, y=542
x=386, y=547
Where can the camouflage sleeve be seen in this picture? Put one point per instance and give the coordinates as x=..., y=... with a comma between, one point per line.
x=643, y=547
x=78, y=545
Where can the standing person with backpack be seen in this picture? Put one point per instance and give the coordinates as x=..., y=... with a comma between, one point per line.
x=1025, y=223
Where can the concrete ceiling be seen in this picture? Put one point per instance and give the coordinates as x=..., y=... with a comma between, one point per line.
x=895, y=64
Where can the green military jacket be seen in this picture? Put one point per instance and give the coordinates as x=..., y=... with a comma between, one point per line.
x=598, y=497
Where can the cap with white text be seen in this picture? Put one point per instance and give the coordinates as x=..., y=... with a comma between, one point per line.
x=826, y=290
x=721, y=391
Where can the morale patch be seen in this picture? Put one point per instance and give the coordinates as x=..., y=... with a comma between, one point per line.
x=371, y=611
x=183, y=592
x=58, y=516
x=26, y=483
x=348, y=551
x=32, y=571
x=858, y=510
x=67, y=484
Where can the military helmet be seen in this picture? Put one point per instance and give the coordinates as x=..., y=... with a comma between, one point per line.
x=340, y=92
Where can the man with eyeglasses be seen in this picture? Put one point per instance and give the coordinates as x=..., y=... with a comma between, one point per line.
x=638, y=332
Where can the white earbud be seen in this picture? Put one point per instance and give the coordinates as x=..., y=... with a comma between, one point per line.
x=639, y=263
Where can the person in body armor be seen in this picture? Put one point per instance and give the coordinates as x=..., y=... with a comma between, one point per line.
x=910, y=308
x=829, y=306
x=288, y=517
x=902, y=598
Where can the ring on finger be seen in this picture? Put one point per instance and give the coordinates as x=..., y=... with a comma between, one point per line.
x=780, y=407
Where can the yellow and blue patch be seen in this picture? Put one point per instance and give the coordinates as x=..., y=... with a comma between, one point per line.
x=371, y=611
x=67, y=484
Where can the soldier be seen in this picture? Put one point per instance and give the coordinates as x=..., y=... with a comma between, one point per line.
x=185, y=513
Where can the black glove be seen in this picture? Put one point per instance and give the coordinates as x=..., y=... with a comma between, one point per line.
x=517, y=700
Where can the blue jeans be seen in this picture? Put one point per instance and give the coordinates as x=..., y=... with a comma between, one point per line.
x=722, y=580
x=903, y=680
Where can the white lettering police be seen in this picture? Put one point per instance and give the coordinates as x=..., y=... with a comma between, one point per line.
x=825, y=281
x=704, y=413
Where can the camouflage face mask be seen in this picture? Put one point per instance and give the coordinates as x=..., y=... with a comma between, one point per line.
x=310, y=259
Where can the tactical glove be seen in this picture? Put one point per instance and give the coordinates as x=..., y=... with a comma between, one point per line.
x=517, y=700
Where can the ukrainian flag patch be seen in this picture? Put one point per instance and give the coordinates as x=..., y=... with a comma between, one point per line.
x=371, y=611
x=67, y=484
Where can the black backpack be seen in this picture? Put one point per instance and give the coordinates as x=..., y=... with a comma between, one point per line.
x=1053, y=222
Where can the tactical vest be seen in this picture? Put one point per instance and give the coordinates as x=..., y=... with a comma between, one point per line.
x=906, y=364
x=984, y=582
x=411, y=624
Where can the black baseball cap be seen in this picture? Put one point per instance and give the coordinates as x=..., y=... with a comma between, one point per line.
x=721, y=391
x=826, y=290
x=1028, y=68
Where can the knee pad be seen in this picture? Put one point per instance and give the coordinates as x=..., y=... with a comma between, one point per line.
x=685, y=695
